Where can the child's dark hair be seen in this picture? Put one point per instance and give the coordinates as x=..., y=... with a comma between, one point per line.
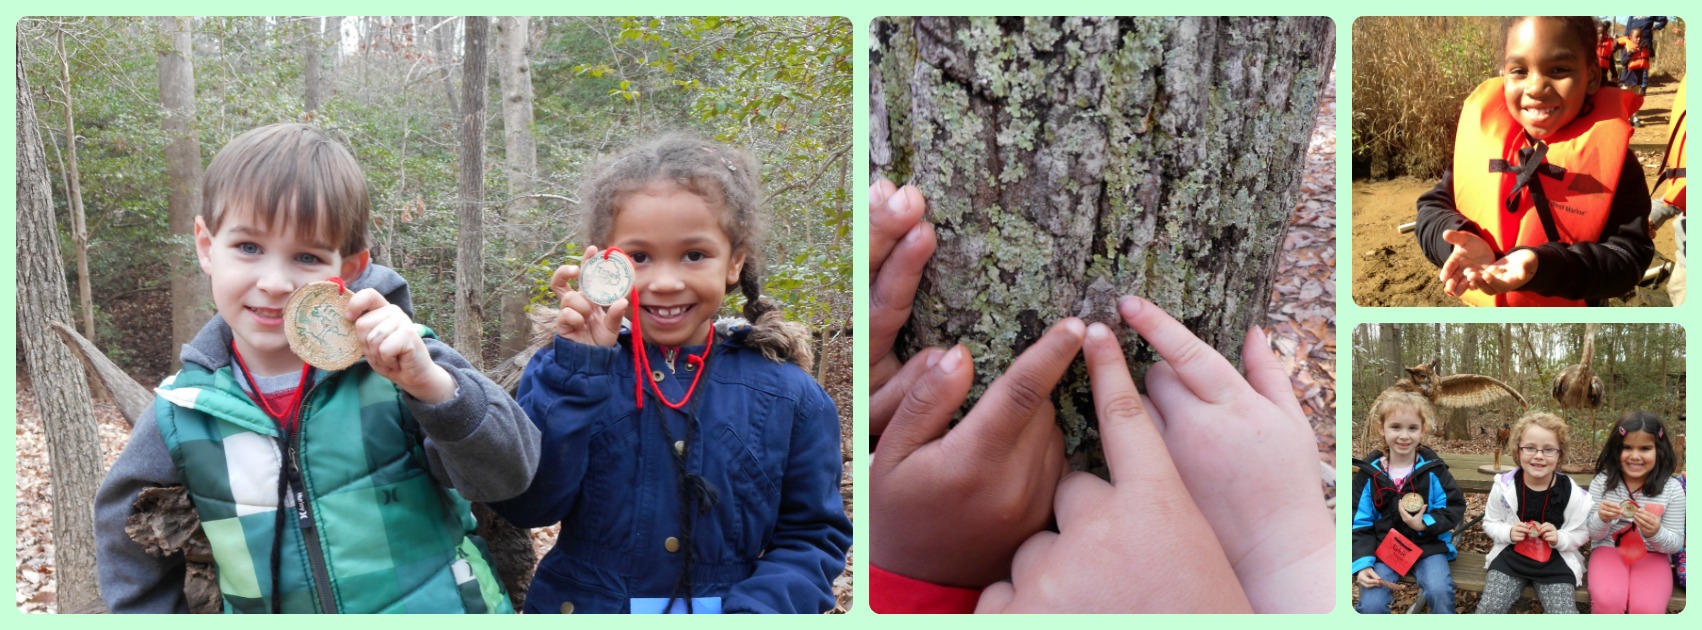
x=723, y=177
x=294, y=169
x=1666, y=460
x=1580, y=28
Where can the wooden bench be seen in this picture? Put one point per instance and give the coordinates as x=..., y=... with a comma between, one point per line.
x=1469, y=573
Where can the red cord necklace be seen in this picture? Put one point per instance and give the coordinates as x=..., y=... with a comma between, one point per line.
x=641, y=359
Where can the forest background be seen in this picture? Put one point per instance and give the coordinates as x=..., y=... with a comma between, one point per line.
x=474, y=133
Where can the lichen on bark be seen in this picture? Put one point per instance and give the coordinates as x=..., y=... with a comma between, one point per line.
x=1069, y=161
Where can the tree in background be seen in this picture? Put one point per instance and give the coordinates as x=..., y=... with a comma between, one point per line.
x=1068, y=161
x=56, y=377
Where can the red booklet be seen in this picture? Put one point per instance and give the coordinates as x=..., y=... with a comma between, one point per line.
x=1398, y=552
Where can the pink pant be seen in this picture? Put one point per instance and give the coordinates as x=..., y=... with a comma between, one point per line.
x=1641, y=588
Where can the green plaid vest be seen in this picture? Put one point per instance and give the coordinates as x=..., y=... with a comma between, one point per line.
x=391, y=538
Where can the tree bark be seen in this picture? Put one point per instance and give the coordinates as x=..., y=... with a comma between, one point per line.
x=61, y=391
x=191, y=296
x=1459, y=420
x=312, y=78
x=1069, y=161
x=514, y=69
x=74, y=190
x=469, y=248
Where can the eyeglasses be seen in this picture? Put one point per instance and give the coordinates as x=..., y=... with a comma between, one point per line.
x=1546, y=452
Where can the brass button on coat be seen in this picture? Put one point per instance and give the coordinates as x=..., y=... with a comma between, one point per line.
x=680, y=446
x=567, y=608
x=657, y=375
x=672, y=544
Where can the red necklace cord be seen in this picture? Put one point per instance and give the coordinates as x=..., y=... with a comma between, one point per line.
x=1542, y=517
x=266, y=406
x=641, y=359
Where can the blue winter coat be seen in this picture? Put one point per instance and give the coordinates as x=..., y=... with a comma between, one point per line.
x=768, y=443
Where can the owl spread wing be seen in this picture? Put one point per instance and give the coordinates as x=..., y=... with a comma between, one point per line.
x=1473, y=390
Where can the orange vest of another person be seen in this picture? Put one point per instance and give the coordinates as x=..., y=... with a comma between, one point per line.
x=1604, y=51
x=1577, y=177
x=1672, y=162
x=1638, y=53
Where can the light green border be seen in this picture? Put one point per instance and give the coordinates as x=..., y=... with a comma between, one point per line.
x=860, y=12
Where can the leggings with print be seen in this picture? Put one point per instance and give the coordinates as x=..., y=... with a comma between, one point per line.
x=1500, y=591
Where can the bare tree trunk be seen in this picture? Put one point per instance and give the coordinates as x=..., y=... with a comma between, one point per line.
x=470, y=246
x=1068, y=161
x=514, y=69
x=74, y=189
x=61, y=390
x=311, y=76
x=1389, y=343
x=191, y=296
x=442, y=36
x=1459, y=420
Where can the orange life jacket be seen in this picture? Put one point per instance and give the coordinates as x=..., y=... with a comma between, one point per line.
x=1574, y=178
x=1637, y=52
x=1672, y=162
x=1604, y=51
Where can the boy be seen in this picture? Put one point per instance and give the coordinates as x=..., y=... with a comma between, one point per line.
x=372, y=466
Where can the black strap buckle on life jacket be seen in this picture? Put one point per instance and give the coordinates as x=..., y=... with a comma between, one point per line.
x=1530, y=165
x=1666, y=156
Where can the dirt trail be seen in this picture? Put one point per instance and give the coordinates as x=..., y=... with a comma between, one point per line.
x=1390, y=270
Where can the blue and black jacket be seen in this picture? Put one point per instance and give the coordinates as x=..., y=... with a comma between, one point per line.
x=1376, y=499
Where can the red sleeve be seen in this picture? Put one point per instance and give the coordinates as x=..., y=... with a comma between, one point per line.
x=891, y=593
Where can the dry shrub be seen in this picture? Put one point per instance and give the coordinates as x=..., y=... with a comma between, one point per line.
x=1410, y=76
x=1669, y=51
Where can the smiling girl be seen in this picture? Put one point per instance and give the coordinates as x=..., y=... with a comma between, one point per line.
x=693, y=465
x=1542, y=204
x=1535, y=516
x=1382, y=521
x=1638, y=521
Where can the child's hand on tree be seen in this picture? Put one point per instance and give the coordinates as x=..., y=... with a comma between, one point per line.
x=1136, y=544
x=395, y=350
x=952, y=504
x=1473, y=265
x=1248, y=456
x=900, y=244
x=579, y=320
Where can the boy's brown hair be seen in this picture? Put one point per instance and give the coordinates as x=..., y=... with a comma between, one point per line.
x=297, y=170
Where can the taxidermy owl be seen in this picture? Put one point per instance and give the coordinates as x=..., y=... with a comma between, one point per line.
x=1455, y=391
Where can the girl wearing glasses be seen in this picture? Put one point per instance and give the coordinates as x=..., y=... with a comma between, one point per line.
x=1638, y=518
x=1394, y=535
x=1535, y=515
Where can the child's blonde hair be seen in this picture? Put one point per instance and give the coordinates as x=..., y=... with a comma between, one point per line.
x=294, y=169
x=1542, y=419
x=1392, y=400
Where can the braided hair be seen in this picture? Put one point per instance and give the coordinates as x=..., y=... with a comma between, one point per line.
x=726, y=179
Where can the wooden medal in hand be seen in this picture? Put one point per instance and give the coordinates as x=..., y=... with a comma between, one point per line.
x=1412, y=502
x=1628, y=509
x=316, y=329
x=606, y=277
